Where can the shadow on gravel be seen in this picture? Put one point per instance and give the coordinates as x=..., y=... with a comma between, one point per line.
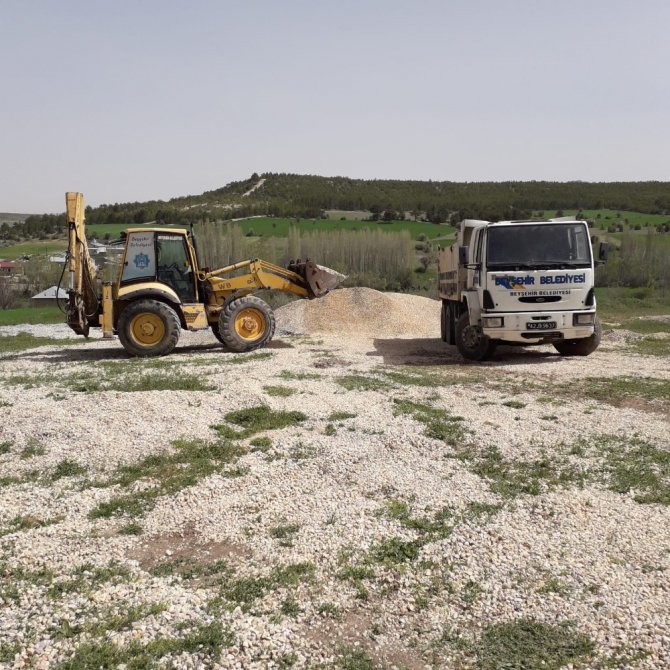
x=423, y=351
x=114, y=351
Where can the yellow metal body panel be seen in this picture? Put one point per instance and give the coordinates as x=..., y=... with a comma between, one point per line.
x=125, y=291
x=107, y=319
x=195, y=316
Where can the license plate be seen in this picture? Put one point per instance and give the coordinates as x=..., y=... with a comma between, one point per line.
x=541, y=325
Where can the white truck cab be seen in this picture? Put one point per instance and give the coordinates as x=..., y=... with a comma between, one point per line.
x=519, y=282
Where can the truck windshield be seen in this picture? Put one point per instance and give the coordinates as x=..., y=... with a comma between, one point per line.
x=545, y=245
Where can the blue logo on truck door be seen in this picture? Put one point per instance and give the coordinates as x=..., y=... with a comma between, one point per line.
x=515, y=283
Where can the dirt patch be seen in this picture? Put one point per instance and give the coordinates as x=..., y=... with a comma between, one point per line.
x=165, y=548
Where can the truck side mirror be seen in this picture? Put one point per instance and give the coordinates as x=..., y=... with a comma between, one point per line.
x=463, y=255
x=603, y=248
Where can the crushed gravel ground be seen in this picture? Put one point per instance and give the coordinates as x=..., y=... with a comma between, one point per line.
x=419, y=502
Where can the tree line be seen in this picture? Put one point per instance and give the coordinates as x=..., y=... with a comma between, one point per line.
x=308, y=196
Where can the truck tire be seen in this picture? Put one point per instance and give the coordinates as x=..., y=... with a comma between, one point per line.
x=246, y=324
x=471, y=341
x=148, y=328
x=583, y=346
x=443, y=322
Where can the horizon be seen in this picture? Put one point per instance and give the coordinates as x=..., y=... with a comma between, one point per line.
x=129, y=103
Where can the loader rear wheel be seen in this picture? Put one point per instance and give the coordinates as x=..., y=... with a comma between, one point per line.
x=471, y=341
x=246, y=324
x=149, y=328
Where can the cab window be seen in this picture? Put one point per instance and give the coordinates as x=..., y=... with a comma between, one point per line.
x=174, y=265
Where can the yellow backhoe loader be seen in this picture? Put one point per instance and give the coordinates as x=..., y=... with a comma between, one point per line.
x=161, y=289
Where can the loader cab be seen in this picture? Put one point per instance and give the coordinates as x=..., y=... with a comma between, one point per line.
x=162, y=256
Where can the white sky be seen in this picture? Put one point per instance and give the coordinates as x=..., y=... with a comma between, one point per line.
x=153, y=99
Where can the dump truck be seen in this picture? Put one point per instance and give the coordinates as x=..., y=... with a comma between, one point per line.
x=161, y=289
x=520, y=283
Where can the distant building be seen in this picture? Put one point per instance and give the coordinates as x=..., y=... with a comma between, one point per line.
x=9, y=268
x=49, y=298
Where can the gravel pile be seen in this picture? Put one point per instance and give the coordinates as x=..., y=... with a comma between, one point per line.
x=370, y=528
x=361, y=312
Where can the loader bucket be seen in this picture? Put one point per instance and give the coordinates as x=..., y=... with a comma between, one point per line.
x=319, y=279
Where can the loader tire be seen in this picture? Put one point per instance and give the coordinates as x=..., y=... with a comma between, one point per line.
x=217, y=333
x=246, y=324
x=471, y=341
x=149, y=328
x=583, y=346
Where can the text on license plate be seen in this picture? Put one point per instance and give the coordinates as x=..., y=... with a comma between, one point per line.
x=541, y=325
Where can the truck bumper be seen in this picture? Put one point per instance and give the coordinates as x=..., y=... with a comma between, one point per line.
x=516, y=327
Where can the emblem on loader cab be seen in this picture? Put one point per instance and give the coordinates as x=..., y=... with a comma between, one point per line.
x=141, y=261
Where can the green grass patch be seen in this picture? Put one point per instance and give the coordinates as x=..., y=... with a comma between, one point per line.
x=67, y=468
x=88, y=577
x=172, y=471
x=208, y=640
x=632, y=465
x=652, y=346
x=298, y=376
x=514, y=404
x=528, y=645
x=621, y=304
x=354, y=658
x=617, y=389
x=189, y=569
x=27, y=522
x=246, y=590
x=341, y=416
x=439, y=423
x=5, y=447
x=357, y=382
x=279, y=391
x=131, y=529
x=285, y=533
x=279, y=227
x=260, y=418
x=24, y=341
x=31, y=315
x=32, y=449
x=510, y=479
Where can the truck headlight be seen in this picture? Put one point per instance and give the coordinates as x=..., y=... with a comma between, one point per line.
x=583, y=319
x=493, y=322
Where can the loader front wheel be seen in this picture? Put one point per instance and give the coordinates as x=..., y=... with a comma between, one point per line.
x=149, y=328
x=246, y=324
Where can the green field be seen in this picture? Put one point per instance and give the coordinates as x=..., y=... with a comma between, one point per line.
x=31, y=315
x=607, y=217
x=267, y=226
x=36, y=248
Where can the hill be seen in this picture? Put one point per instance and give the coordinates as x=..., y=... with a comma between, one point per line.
x=436, y=201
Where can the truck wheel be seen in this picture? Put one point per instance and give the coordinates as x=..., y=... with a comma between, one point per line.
x=443, y=322
x=246, y=324
x=471, y=341
x=583, y=346
x=149, y=328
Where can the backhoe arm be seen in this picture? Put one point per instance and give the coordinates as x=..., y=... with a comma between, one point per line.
x=83, y=301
